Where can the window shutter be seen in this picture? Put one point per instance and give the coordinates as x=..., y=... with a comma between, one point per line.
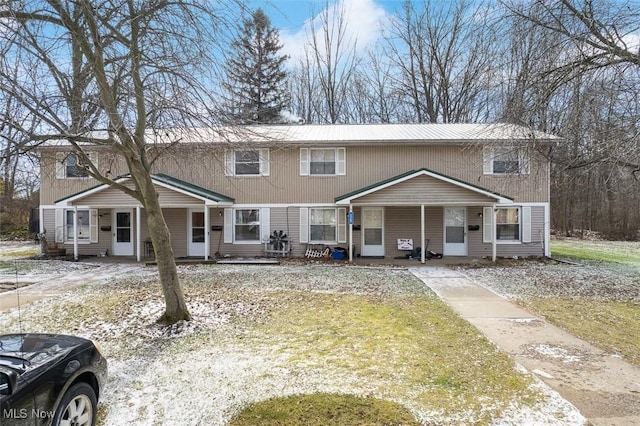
x=487, y=163
x=93, y=157
x=526, y=224
x=341, y=161
x=304, y=161
x=342, y=225
x=265, y=223
x=59, y=225
x=487, y=224
x=229, y=162
x=93, y=225
x=264, y=161
x=525, y=160
x=61, y=158
x=304, y=225
x=228, y=226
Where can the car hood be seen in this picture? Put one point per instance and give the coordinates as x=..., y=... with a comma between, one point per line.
x=29, y=351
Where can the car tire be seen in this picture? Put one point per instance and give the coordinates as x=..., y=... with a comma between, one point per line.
x=78, y=407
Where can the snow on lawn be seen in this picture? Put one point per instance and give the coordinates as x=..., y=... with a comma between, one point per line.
x=203, y=371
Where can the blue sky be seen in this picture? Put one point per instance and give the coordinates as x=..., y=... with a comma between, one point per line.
x=294, y=17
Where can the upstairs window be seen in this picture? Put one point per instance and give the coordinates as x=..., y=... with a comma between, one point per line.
x=68, y=165
x=247, y=162
x=504, y=160
x=322, y=161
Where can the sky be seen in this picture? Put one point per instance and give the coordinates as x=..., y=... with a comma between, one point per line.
x=293, y=19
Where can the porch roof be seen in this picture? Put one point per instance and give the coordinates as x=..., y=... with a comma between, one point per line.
x=165, y=181
x=422, y=186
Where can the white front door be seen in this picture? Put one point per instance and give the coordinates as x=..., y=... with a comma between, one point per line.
x=372, y=231
x=122, y=232
x=196, y=232
x=455, y=232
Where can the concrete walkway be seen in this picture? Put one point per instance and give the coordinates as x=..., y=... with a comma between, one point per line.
x=604, y=387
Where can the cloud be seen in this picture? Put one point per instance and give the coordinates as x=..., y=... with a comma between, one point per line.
x=364, y=22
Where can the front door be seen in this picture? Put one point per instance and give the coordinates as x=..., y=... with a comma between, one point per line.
x=196, y=233
x=372, y=231
x=122, y=233
x=455, y=233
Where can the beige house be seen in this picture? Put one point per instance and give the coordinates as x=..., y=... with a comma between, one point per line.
x=384, y=190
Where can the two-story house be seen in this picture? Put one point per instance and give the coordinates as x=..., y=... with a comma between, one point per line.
x=472, y=190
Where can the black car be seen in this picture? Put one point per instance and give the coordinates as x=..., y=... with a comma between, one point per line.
x=49, y=379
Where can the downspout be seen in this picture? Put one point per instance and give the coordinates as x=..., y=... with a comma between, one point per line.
x=138, y=235
x=422, y=235
x=350, y=248
x=494, y=221
x=75, y=233
x=207, y=229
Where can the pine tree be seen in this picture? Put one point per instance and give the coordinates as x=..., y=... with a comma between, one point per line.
x=256, y=79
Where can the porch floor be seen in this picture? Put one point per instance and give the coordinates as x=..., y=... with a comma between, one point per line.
x=390, y=262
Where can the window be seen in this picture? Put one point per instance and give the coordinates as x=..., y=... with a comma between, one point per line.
x=197, y=227
x=508, y=224
x=322, y=161
x=322, y=224
x=68, y=165
x=505, y=160
x=513, y=224
x=247, y=225
x=83, y=223
x=247, y=162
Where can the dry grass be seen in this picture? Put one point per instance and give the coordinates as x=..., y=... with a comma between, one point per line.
x=598, y=299
x=270, y=332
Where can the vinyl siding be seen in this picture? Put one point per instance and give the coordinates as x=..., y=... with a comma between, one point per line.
x=424, y=189
x=404, y=222
x=533, y=248
x=114, y=197
x=365, y=165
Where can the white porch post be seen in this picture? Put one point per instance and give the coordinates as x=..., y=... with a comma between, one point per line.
x=75, y=232
x=494, y=224
x=207, y=231
x=422, y=235
x=138, y=235
x=350, y=248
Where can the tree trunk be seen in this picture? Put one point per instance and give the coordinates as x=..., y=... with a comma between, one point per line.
x=176, y=308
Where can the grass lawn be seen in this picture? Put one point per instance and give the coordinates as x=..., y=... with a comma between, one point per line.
x=607, y=317
x=604, y=251
x=372, y=343
x=612, y=325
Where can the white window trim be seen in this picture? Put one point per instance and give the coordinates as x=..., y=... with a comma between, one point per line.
x=340, y=156
x=341, y=225
x=524, y=216
x=489, y=155
x=61, y=164
x=229, y=228
x=61, y=226
x=230, y=162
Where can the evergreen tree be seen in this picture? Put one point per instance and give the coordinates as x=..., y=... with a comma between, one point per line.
x=256, y=79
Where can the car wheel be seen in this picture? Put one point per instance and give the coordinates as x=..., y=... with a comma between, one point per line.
x=77, y=407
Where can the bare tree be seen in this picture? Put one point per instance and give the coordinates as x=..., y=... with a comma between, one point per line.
x=333, y=61
x=444, y=52
x=594, y=79
x=121, y=67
